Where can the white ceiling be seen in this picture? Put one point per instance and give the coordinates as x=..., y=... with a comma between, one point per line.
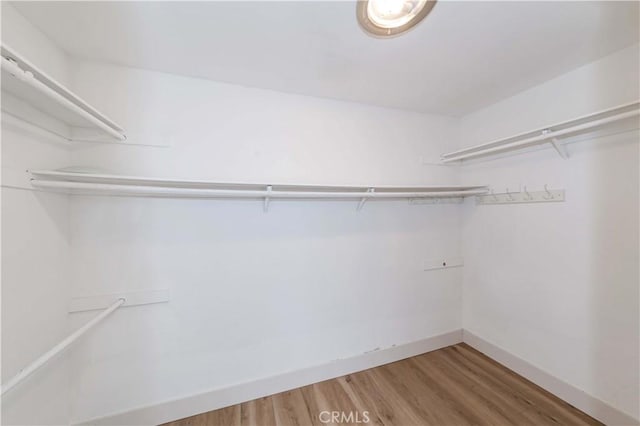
x=463, y=56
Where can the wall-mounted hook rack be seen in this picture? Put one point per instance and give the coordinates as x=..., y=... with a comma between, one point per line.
x=525, y=196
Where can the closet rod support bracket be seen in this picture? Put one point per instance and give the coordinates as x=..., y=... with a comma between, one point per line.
x=560, y=149
x=364, y=199
x=267, y=199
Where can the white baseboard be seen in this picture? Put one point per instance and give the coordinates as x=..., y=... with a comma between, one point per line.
x=188, y=406
x=591, y=405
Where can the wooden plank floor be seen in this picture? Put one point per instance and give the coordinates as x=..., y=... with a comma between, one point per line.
x=456, y=385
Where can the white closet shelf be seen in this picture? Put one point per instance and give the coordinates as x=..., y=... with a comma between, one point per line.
x=104, y=184
x=549, y=134
x=27, y=83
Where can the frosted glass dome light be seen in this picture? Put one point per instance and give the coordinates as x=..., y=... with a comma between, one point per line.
x=386, y=18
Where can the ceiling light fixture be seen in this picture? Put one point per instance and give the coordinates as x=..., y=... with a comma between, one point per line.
x=388, y=18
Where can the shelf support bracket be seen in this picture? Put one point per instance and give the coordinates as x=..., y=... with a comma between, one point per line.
x=364, y=199
x=559, y=148
x=265, y=207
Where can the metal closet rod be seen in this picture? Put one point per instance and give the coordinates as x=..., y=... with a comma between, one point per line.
x=239, y=193
x=28, y=78
x=546, y=136
x=47, y=356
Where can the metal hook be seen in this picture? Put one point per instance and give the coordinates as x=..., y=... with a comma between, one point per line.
x=528, y=196
x=495, y=198
x=509, y=196
x=549, y=195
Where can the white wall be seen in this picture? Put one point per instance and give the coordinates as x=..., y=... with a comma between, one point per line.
x=557, y=284
x=226, y=132
x=20, y=35
x=253, y=294
x=35, y=253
